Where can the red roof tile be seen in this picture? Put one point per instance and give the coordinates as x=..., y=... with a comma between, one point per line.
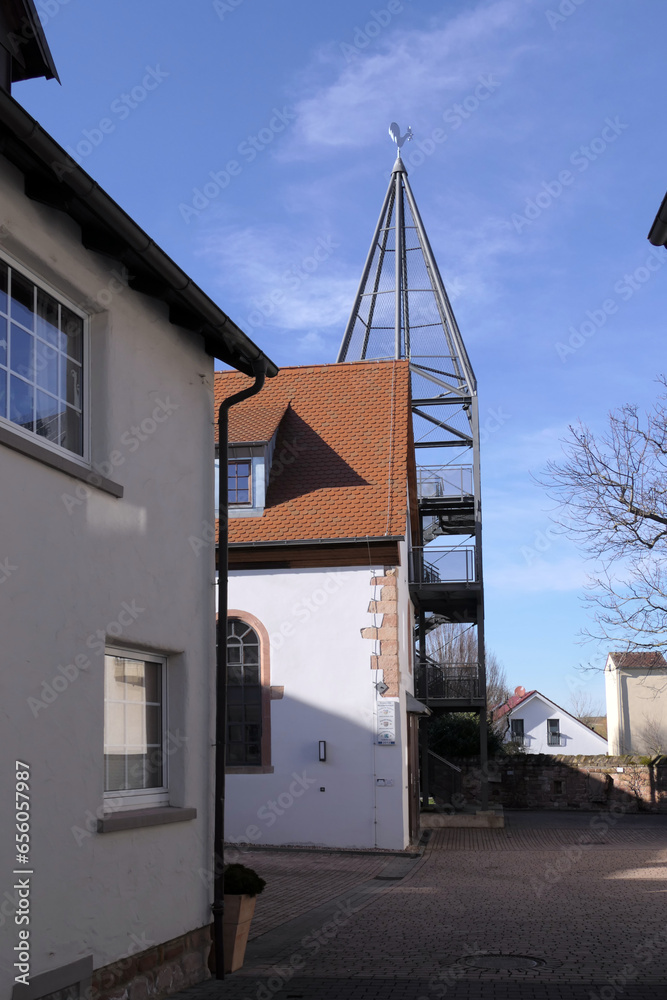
x=341, y=461
x=249, y=422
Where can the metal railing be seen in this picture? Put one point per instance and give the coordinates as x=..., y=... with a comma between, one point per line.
x=448, y=681
x=451, y=564
x=555, y=740
x=447, y=481
x=520, y=739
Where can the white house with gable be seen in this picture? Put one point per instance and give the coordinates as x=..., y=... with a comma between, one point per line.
x=537, y=724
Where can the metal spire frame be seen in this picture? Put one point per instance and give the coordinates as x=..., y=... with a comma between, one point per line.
x=402, y=311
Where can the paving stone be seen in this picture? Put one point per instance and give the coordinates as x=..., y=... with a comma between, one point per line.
x=591, y=905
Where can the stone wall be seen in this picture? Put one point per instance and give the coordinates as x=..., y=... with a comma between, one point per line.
x=538, y=781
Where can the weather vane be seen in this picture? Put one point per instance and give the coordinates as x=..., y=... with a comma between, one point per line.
x=395, y=133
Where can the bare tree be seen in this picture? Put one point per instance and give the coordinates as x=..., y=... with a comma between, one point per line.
x=457, y=644
x=612, y=492
x=585, y=707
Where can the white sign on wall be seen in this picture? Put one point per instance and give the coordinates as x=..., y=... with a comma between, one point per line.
x=386, y=733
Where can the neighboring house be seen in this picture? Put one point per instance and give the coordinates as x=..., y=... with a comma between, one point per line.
x=107, y=567
x=636, y=692
x=322, y=744
x=537, y=724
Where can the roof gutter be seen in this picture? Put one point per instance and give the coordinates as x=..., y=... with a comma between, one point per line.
x=65, y=185
x=283, y=543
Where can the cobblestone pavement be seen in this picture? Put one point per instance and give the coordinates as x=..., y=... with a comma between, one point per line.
x=299, y=881
x=585, y=904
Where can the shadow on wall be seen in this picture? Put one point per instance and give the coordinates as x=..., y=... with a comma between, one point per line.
x=325, y=468
x=543, y=781
x=353, y=798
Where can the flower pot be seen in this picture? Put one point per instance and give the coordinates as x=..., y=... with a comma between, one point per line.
x=235, y=929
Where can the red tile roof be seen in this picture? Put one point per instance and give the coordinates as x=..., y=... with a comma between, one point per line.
x=512, y=702
x=342, y=455
x=646, y=661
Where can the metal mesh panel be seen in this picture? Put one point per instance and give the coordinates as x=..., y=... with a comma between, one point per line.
x=425, y=333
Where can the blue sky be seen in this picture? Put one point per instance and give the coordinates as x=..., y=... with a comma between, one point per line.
x=538, y=167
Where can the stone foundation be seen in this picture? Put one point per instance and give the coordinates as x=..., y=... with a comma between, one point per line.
x=155, y=973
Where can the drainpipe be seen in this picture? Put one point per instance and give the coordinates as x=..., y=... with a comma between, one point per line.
x=259, y=371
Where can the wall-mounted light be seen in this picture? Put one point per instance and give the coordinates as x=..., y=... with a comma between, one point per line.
x=323, y=749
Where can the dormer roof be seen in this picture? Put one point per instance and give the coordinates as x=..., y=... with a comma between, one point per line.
x=250, y=423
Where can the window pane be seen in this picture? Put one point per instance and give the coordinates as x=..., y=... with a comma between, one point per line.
x=3, y=393
x=46, y=367
x=153, y=770
x=3, y=340
x=153, y=674
x=252, y=673
x=21, y=352
x=22, y=300
x=132, y=728
x=21, y=403
x=70, y=389
x=72, y=327
x=244, y=717
x=47, y=410
x=242, y=496
x=47, y=318
x=154, y=724
x=114, y=771
x=71, y=430
x=3, y=287
x=235, y=674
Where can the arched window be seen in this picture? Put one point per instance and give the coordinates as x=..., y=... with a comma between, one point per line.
x=244, y=695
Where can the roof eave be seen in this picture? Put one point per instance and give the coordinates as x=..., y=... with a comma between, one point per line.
x=658, y=233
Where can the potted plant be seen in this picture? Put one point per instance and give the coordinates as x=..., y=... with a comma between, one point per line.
x=242, y=885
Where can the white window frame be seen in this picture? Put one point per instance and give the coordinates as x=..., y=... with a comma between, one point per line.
x=140, y=798
x=83, y=459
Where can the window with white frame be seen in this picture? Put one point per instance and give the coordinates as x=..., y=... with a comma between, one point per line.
x=41, y=362
x=135, y=706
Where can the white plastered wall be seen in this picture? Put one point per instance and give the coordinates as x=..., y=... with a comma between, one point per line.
x=78, y=556
x=636, y=710
x=314, y=618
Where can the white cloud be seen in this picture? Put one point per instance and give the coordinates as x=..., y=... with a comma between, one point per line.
x=297, y=283
x=398, y=72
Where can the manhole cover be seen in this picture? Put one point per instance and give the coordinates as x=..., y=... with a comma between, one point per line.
x=503, y=962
